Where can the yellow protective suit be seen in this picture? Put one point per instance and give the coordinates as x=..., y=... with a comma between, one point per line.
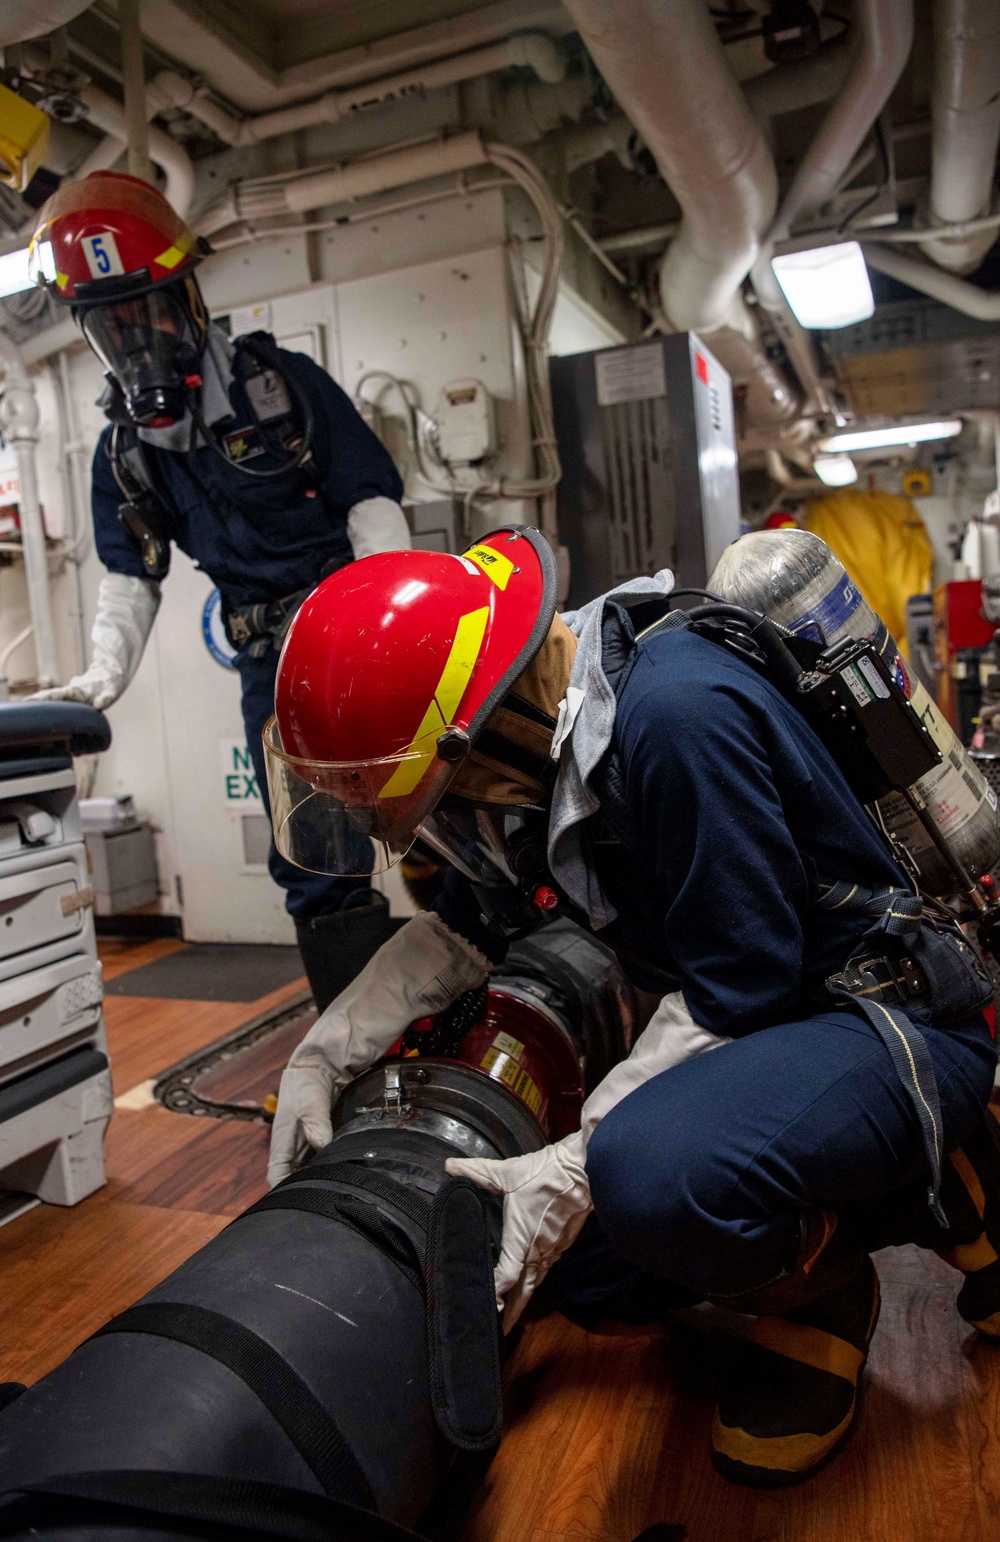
x=881, y=540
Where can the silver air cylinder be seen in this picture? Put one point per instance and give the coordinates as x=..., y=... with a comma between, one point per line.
x=795, y=578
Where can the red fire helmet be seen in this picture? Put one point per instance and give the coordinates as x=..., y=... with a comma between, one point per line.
x=112, y=236
x=388, y=673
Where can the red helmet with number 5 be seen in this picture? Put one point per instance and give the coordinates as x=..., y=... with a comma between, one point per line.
x=387, y=676
x=111, y=247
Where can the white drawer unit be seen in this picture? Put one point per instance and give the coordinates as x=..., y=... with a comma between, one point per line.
x=41, y=1009
x=46, y=909
x=38, y=813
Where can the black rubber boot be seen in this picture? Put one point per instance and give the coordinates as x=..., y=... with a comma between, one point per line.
x=337, y=947
x=792, y=1392
x=970, y=1194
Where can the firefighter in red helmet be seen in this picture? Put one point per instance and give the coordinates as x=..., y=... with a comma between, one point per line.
x=642, y=772
x=246, y=456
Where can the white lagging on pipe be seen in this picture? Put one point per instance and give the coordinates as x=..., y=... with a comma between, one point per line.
x=982, y=304
x=533, y=50
x=965, y=114
x=886, y=37
x=19, y=421
x=665, y=64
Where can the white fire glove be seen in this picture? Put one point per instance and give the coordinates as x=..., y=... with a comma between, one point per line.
x=546, y=1193
x=126, y=610
x=377, y=524
x=422, y=969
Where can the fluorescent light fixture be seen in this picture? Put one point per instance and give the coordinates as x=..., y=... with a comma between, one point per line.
x=827, y=286
x=894, y=434
x=835, y=470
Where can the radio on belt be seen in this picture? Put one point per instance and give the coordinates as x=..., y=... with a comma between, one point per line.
x=866, y=721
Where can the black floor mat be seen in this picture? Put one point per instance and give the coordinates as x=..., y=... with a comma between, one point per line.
x=212, y=971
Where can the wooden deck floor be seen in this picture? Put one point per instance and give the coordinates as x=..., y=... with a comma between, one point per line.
x=607, y=1434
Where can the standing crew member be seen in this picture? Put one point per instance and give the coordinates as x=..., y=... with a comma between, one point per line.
x=798, y=1099
x=246, y=455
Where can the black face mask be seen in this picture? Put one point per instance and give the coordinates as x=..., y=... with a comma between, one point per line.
x=152, y=346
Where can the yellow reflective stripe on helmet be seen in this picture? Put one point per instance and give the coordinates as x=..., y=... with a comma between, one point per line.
x=493, y=563
x=62, y=279
x=176, y=253
x=444, y=703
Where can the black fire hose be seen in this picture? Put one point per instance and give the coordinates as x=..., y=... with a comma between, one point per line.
x=313, y=1371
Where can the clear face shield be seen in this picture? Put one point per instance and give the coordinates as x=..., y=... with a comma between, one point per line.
x=351, y=818
x=495, y=845
x=151, y=345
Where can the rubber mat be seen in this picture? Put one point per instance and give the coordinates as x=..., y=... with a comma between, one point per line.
x=212, y=971
x=235, y=1077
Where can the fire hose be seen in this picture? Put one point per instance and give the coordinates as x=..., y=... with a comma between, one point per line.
x=317, y=1369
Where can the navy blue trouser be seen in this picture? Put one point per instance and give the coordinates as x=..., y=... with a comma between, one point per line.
x=306, y=894
x=700, y=1176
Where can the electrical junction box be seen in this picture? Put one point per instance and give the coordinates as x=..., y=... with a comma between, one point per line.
x=466, y=423
x=24, y=139
x=433, y=526
x=647, y=441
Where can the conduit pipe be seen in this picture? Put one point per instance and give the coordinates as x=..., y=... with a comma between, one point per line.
x=529, y=49
x=951, y=290
x=665, y=64
x=19, y=421
x=134, y=90
x=965, y=114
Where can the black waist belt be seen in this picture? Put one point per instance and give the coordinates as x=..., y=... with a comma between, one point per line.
x=256, y=629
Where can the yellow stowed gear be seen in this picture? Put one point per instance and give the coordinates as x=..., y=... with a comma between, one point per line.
x=881, y=540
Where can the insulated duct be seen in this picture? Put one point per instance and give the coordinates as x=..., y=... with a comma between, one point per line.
x=171, y=157
x=665, y=64
x=314, y=1369
x=965, y=116
x=21, y=20
x=532, y=50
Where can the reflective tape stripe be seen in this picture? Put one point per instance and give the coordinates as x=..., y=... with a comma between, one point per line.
x=176, y=253
x=778, y=1453
x=444, y=704
x=493, y=563
x=809, y=1346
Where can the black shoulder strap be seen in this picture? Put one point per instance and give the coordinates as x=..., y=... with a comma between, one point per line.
x=128, y=462
x=284, y=1394
x=238, y=1508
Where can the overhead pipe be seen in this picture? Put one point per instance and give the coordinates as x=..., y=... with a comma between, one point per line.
x=965, y=114
x=134, y=90
x=801, y=82
x=885, y=29
x=171, y=157
x=981, y=304
x=19, y=422
x=531, y=49
x=269, y=199
x=666, y=66
x=21, y=20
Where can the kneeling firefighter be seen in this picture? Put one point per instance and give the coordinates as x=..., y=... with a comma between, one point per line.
x=674, y=780
x=246, y=455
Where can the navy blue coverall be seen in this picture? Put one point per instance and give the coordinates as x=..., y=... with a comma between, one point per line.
x=730, y=813
x=260, y=541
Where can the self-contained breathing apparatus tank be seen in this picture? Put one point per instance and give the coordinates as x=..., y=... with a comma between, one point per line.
x=313, y=1370
x=795, y=579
